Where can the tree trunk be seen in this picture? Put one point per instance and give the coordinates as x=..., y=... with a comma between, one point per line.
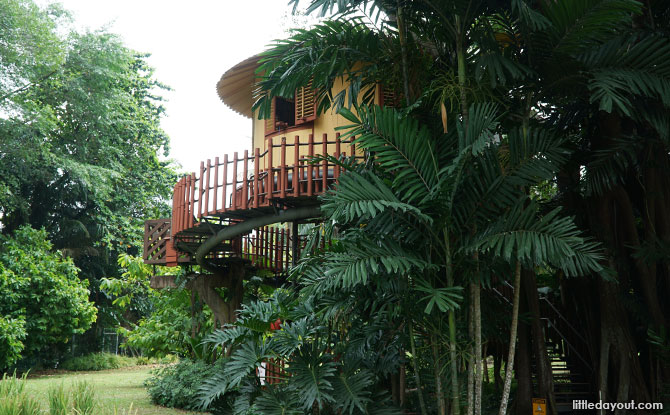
x=417, y=377
x=524, y=391
x=471, y=363
x=512, y=341
x=478, y=347
x=441, y=404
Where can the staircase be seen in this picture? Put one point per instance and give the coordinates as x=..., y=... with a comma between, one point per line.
x=572, y=374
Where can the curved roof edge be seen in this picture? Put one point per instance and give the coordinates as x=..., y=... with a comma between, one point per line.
x=235, y=88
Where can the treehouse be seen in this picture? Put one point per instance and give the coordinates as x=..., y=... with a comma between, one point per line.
x=241, y=211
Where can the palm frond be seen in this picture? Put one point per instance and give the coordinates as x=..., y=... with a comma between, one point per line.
x=401, y=146
x=352, y=391
x=364, y=195
x=551, y=239
x=312, y=372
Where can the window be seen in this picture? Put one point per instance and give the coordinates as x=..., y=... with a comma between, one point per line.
x=288, y=113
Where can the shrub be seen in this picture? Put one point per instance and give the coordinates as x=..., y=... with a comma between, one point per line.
x=59, y=400
x=176, y=386
x=98, y=361
x=13, y=398
x=83, y=399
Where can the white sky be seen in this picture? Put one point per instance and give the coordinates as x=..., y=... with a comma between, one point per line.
x=192, y=44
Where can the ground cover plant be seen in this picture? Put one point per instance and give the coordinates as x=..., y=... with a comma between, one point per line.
x=98, y=361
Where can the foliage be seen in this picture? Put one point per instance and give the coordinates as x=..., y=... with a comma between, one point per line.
x=60, y=400
x=12, y=332
x=98, y=361
x=168, y=329
x=176, y=386
x=84, y=401
x=80, y=120
x=41, y=289
x=14, y=399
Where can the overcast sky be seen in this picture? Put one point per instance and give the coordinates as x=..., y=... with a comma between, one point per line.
x=192, y=44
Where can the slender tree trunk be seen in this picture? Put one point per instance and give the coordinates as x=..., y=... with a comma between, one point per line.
x=400, y=20
x=471, y=363
x=417, y=377
x=441, y=404
x=512, y=341
x=478, y=347
x=524, y=390
x=453, y=358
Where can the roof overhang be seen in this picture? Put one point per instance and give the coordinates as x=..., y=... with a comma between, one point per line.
x=235, y=88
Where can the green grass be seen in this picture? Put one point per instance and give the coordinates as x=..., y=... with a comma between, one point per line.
x=120, y=387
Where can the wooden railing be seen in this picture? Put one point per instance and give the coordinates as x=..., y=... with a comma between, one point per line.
x=270, y=248
x=258, y=180
x=158, y=246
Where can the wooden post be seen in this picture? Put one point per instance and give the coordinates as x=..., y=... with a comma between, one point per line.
x=245, y=186
x=336, y=168
x=209, y=170
x=296, y=167
x=294, y=243
x=257, y=152
x=353, y=147
x=259, y=246
x=234, y=191
x=216, y=184
x=324, y=185
x=268, y=188
x=280, y=248
x=225, y=182
x=310, y=167
x=282, y=186
x=192, y=194
x=201, y=189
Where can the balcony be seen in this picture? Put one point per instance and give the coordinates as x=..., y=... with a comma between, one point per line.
x=228, y=192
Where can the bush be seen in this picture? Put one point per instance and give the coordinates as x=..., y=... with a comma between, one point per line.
x=42, y=299
x=98, y=361
x=176, y=386
x=13, y=398
x=59, y=400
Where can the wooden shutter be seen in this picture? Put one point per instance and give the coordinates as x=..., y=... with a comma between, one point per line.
x=387, y=97
x=270, y=122
x=305, y=104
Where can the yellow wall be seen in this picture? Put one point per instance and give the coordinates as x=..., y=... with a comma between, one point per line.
x=324, y=124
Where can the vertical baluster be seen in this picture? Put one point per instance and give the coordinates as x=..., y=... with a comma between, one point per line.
x=353, y=146
x=280, y=249
x=270, y=167
x=259, y=247
x=225, y=183
x=209, y=170
x=324, y=178
x=273, y=248
x=245, y=186
x=234, y=190
x=296, y=167
x=287, y=247
x=216, y=184
x=201, y=188
x=336, y=168
x=176, y=211
x=192, y=211
x=257, y=153
x=282, y=186
x=310, y=166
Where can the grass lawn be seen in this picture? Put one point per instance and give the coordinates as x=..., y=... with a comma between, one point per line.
x=116, y=387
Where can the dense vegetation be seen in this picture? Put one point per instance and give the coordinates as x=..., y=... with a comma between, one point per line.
x=522, y=145
x=529, y=144
x=79, y=172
